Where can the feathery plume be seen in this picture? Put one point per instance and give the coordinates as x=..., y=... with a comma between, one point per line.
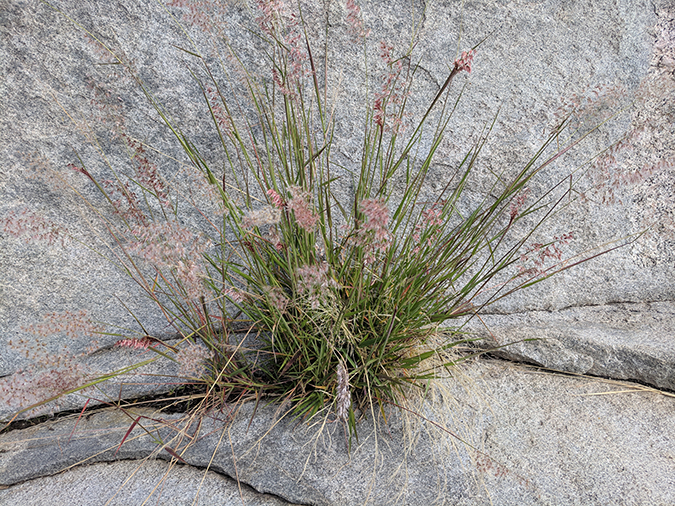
x=344, y=400
x=305, y=217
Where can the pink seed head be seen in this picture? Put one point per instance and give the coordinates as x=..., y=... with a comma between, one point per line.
x=465, y=61
x=343, y=395
x=135, y=343
x=277, y=199
x=300, y=204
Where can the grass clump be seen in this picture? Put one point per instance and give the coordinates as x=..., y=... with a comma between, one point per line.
x=341, y=276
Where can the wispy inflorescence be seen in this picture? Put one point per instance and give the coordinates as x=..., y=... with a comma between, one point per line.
x=135, y=343
x=392, y=94
x=42, y=170
x=344, y=400
x=315, y=284
x=539, y=253
x=197, y=13
x=278, y=22
x=71, y=323
x=300, y=204
x=266, y=215
x=355, y=25
x=233, y=294
x=272, y=12
x=372, y=234
x=517, y=204
x=52, y=371
x=611, y=173
x=277, y=199
x=26, y=388
x=465, y=61
x=590, y=106
x=275, y=239
x=125, y=202
x=147, y=173
x=166, y=243
x=428, y=226
x=170, y=245
x=193, y=360
x=277, y=298
x=32, y=227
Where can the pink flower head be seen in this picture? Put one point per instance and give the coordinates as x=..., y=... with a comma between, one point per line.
x=315, y=283
x=465, y=61
x=272, y=11
x=274, y=239
x=135, y=343
x=33, y=227
x=379, y=112
x=517, y=203
x=73, y=324
x=193, y=360
x=147, y=173
x=373, y=234
x=385, y=52
x=276, y=297
x=266, y=215
x=233, y=294
x=301, y=207
x=377, y=217
x=277, y=199
x=343, y=395
x=355, y=21
x=283, y=87
x=393, y=93
x=539, y=253
x=431, y=221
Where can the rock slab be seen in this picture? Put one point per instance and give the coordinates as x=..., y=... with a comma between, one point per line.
x=622, y=341
x=536, y=438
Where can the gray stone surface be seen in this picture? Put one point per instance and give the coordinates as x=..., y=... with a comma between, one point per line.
x=622, y=341
x=543, y=438
x=157, y=377
x=126, y=483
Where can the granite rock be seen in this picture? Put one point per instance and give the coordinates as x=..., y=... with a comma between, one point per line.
x=521, y=436
x=622, y=341
x=123, y=483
